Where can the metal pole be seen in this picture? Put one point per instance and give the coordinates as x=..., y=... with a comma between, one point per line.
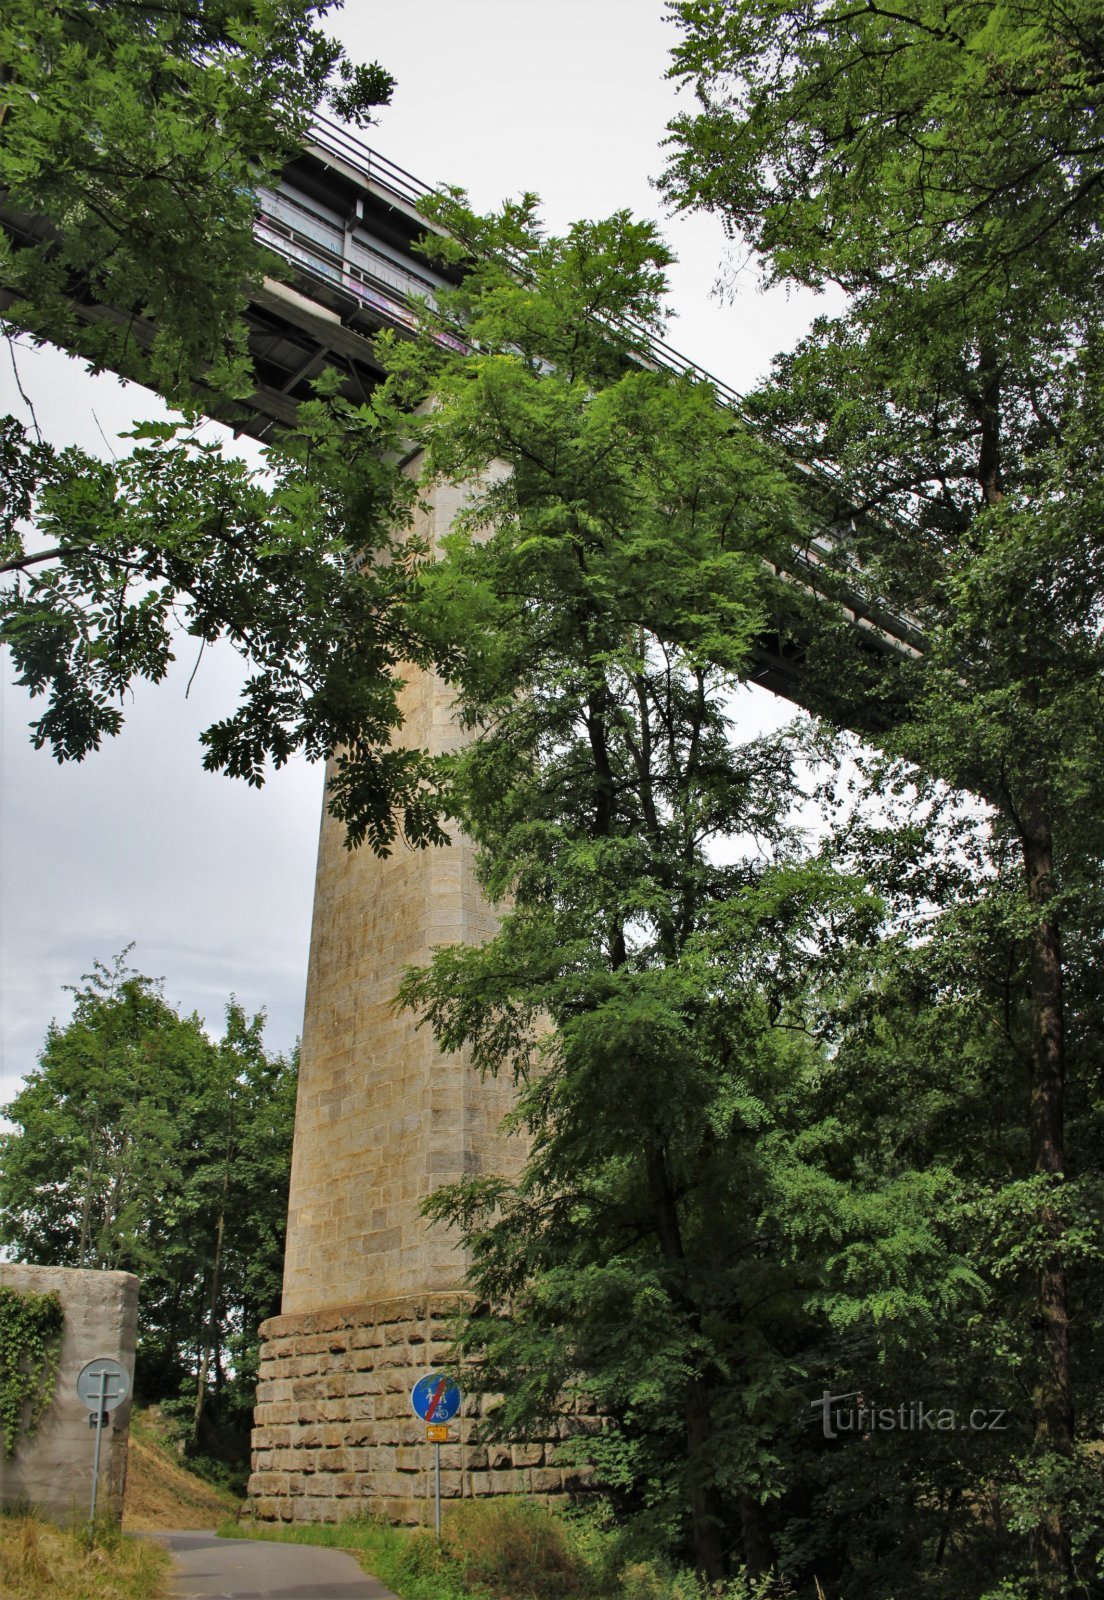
x=437, y=1490
x=99, y=1439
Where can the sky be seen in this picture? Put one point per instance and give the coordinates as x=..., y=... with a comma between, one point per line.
x=209, y=880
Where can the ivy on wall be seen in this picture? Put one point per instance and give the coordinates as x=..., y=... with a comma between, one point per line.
x=30, y=1346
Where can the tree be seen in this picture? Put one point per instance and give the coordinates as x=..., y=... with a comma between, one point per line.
x=134, y=138
x=137, y=133
x=141, y=1146
x=666, y=1251
x=937, y=1016
x=302, y=566
x=941, y=164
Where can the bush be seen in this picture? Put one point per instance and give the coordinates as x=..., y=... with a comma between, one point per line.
x=653, y=1580
x=513, y=1548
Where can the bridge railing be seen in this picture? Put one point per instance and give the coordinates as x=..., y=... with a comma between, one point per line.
x=819, y=552
x=386, y=174
x=368, y=162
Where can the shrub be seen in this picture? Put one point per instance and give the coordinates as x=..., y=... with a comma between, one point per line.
x=514, y=1548
x=653, y=1580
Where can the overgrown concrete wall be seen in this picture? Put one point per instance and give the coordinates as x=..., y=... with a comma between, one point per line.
x=52, y=1470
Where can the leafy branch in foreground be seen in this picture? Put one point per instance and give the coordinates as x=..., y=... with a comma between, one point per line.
x=134, y=136
x=303, y=567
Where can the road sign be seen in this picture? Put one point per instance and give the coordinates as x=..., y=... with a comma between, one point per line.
x=437, y=1433
x=103, y=1384
x=435, y=1398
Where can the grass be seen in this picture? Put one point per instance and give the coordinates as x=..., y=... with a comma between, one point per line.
x=403, y=1559
x=161, y=1490
x=41, y=1562
x=507, y=1548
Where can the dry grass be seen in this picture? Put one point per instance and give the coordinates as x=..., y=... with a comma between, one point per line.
x=160, y=1491
x=41, y=1562
x=511, y=1547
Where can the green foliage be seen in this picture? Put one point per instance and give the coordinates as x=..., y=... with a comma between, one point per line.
x=511, y=1546
x=695, y=1232
x=137, y=133
x=935, y=160
x=134, y=138
x=300, y=565
x=652, y=1580
x=938, y=161
x=30, y=1346
x=928, y=141
x=141, y=1145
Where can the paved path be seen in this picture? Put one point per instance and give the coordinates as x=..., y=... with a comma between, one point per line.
x=263, y=1569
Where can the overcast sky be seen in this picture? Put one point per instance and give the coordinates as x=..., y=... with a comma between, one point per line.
x=211, y=880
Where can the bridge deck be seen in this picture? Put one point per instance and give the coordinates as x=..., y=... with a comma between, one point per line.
x=345, y=220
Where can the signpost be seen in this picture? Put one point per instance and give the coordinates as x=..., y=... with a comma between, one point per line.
x=436, y=1399
x=102, y=1384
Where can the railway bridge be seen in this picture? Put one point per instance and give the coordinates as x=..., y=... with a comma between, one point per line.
x=382, y=1117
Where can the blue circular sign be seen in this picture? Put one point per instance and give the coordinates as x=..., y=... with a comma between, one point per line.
x=435, y=1398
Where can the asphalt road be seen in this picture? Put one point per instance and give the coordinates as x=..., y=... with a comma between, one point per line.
x=261, y=1569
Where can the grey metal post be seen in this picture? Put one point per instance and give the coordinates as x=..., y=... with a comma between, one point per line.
x=437, y=1490
x=99, y=1439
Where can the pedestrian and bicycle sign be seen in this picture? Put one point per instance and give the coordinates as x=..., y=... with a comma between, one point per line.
x=435, y=1398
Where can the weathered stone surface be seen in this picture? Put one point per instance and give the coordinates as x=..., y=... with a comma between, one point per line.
x=374, y=1459
x=382, y=1116
x=53, y=1470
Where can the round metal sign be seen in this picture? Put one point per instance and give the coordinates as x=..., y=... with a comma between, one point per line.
x=103, y=1383
x=435, y=1398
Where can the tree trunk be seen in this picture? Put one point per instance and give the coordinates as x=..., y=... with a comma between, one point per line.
x=209, y=1335
x=706, y=1510
x=1053, y=1398
x=706, y=1525
x=759, y=1553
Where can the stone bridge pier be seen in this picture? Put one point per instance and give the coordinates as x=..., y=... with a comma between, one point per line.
x=382, y=1119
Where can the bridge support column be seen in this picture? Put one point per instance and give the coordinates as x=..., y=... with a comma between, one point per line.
x=382, y=1119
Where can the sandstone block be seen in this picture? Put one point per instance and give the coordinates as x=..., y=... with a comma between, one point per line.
x=508, y=1482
